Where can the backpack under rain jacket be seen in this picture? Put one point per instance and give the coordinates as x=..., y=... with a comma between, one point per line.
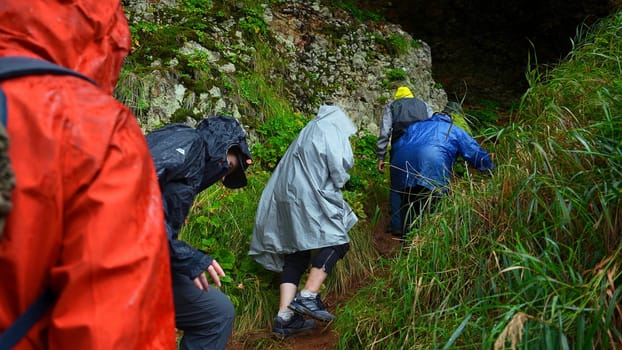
x=188, y=161
x=87, y=216
x=302, y=207
x=397, y=115
x=427, y=151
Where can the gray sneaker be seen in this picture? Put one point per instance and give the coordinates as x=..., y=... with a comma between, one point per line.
x=312, y=307
x=296, y=324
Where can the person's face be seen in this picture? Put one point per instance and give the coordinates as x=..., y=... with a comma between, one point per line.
x=233, y=161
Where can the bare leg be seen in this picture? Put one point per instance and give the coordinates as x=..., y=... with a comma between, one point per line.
x=288, y=292
x=315, y=280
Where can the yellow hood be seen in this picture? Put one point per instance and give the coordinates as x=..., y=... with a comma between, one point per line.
x=402, y=92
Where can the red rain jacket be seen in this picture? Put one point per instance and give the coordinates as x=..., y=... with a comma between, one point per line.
x=87, y=217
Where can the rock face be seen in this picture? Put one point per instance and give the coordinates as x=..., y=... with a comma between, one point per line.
x=347, y=58
x=322, y=55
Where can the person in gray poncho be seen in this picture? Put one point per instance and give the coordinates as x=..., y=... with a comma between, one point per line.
x=302, y=211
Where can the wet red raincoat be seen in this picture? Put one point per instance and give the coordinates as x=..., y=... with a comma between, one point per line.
x=87, y=215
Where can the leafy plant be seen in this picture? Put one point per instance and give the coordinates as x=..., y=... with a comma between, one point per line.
x=395, y=74
x=398, y=44
x=487, y=113
x=253, y=23
x=197, y=7
x=278, y=133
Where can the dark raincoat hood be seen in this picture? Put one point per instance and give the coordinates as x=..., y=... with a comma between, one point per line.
x=197, y=156
x=221, y=134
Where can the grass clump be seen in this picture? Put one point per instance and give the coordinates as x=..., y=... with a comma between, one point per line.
x=362, y=15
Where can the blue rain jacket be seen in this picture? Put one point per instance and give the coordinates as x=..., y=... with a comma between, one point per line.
x=427, y=151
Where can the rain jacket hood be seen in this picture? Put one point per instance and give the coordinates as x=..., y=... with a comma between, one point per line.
x=302, y=207
x=221, y=134
x=89, y=36
x=197, y=156
x=403, y=92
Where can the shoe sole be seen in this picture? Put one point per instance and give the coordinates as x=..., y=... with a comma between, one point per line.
x=304, y=311
x=293, y=332
x=283, y=336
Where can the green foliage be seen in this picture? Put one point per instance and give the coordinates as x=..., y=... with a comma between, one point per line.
x=392, y=75
x=199, y=60
x=362, y=187
x=532, y=257
x=487, y=113
x=277, y=133
x=131, y=91
x=396, y=44
x=152, y=41
x=360, y=14
x=395, y=74
x=181, y=115
x=253, y=23
x=197, y=7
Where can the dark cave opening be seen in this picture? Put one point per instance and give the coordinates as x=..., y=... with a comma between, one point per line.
x=481, y=49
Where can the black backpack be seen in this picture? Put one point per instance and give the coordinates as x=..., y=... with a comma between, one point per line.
x=14, y=67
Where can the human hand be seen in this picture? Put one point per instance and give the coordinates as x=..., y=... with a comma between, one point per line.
x=381, y=166
x=215, y=271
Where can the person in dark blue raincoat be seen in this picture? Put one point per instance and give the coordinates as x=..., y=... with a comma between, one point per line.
x=423, y=159
x=188, y=160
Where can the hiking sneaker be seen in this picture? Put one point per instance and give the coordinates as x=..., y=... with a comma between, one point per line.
x=312, y=307
x=396, y=232
x=295, y=325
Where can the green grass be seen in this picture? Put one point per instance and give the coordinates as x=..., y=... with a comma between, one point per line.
x=531, y=258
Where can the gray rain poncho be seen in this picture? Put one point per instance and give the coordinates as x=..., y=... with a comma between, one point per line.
x=301, y=207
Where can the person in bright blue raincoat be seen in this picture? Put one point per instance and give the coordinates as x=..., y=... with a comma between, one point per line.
x=423, y=159
x=397, y=115
x=301, y=210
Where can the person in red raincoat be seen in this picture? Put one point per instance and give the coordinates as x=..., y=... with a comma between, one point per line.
x=87, y=218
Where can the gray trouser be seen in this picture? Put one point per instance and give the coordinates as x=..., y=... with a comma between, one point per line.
x=206, y=317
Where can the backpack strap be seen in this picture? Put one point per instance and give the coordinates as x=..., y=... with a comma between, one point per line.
x=19, y=66
x=16, y=331
x=3, y=108
x=14, y=67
